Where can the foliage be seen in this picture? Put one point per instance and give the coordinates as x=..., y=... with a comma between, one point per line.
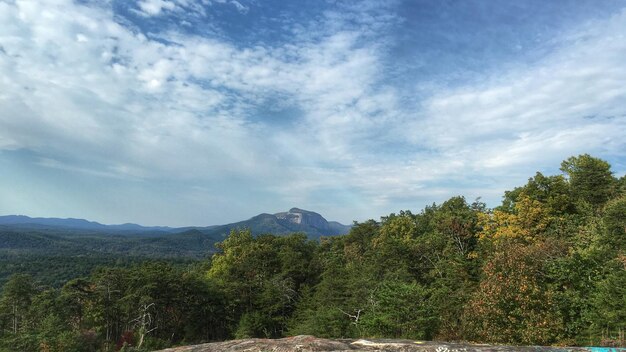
x=512, y=303
x=548, y=266
x=590, y=179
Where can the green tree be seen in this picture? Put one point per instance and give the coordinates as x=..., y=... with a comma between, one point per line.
x=551, y=191
x=608, y=315
x=572, y=279
x=16, y=298
x=590, y=179
x=260, y=278
x=614, y=220
x=399, y=309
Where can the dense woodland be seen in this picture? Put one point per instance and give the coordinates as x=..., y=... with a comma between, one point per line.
x=548, y=266
x=54, y=255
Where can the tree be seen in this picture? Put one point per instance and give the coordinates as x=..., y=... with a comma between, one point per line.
x=526, y=224
x=553, y=192
x=614, y=220
x=110, y=285
x=401, y=310
x=15, y=301
x=608, y=316
x=572, y=279
x=590, y=179
x=75, y=296
x=512, y=303
x=260, y=278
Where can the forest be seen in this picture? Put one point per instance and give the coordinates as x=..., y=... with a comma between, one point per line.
x=546, y=267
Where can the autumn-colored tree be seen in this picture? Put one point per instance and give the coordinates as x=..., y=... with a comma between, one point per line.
x=526, y=224
x=512, y=303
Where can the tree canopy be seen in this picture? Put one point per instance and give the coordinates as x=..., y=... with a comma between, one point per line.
x=547, y=266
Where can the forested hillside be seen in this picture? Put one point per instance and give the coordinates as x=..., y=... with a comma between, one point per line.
x=54, y=255
x=54, y=250
x=547, y=266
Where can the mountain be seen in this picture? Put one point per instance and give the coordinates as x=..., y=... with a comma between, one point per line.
x=55, y=250
x=295, y=220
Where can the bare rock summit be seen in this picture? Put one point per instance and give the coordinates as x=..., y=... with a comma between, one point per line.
x=306, y=343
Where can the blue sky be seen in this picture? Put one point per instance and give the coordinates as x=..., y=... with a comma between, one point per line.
x=181, y=112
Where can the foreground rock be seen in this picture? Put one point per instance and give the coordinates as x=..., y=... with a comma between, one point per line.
x=311, y=343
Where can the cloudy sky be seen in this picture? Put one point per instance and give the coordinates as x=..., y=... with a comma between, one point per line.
x=199, y=112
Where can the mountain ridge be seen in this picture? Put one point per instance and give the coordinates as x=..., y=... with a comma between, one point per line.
x=37, y=245
x=295, y=220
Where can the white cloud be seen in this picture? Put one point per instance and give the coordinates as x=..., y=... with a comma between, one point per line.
x=155, y=7
x=139, y=102
x=76, y=85
x=571, y=102
x=241, y=8
x=483, y=139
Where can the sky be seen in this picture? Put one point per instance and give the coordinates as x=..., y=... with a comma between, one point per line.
x=183, y=112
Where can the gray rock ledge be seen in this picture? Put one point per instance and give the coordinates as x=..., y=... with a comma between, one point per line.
x=306, y=343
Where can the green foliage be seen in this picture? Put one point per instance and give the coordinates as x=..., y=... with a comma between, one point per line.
x=16, y=298
x=56, y=269
x=551, y=191
x=400, y=309
x=572, y=279
x=608, y=316
x=614, y=220
x=262, y=276
x=590, y=179
x=548, y=266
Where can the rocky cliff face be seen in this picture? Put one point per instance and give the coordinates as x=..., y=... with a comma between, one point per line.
x=311, y=344
x=294, y=220
x=304, y=217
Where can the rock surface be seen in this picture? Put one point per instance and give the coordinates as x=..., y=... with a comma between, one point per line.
x=304, y=217
x=313, y=344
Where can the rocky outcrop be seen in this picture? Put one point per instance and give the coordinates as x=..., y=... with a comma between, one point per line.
x=304, y=217
x=295, y=220
x=313, y=344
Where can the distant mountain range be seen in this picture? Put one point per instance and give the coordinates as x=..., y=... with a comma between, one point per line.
x=56, y=250
x=76, y=224
x=294, y=220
